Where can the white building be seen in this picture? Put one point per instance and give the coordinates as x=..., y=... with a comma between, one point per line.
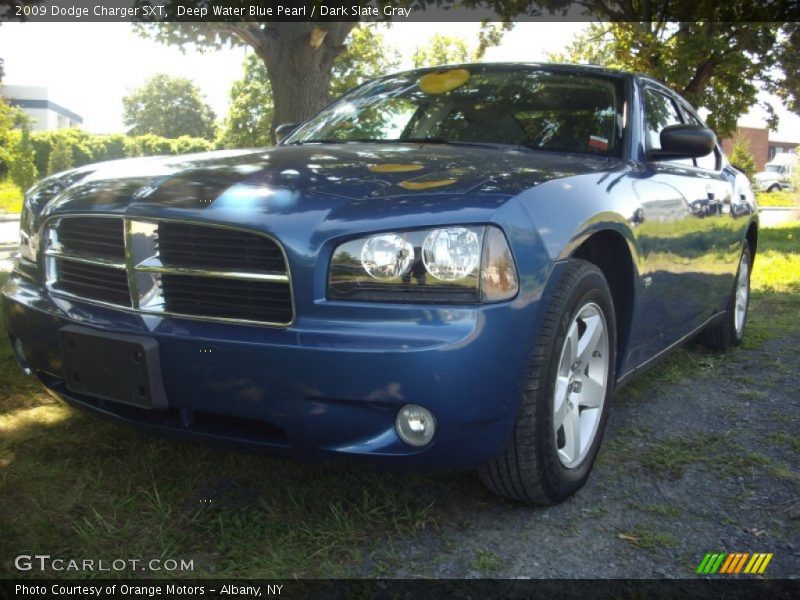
x=36, y=103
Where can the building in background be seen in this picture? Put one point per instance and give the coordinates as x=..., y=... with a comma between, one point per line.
x=761, y=146
x=36, y=103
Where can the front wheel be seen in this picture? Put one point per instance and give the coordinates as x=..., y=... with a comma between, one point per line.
x=774, y=188
x=564, y=405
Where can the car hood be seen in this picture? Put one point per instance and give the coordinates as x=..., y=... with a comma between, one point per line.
x=257, y=179
x=311, y=193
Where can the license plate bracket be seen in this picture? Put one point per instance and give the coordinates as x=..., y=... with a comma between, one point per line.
x=111, y=366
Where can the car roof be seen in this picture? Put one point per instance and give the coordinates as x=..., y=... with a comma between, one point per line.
x=508, y=66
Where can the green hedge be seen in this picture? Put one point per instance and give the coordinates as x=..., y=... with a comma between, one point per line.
x=89, y=148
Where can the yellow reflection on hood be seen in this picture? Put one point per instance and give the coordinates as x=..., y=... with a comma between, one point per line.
x=411, y=184
x=395, y=168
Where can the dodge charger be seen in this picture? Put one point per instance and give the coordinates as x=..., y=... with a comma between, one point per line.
x=444, y=268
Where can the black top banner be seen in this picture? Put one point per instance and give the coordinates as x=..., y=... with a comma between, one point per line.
x=198, y=11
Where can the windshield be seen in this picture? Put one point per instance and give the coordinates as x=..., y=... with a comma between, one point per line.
x=539, y=109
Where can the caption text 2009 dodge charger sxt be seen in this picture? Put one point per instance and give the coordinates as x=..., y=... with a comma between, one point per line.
x=447, y=267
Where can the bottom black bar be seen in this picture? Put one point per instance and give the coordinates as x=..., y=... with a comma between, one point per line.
x=438, y=589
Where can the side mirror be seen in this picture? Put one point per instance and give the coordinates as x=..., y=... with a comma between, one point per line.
x=684, y=141
x=283, y=130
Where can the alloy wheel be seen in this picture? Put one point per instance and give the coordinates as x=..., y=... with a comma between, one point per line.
x=581, y=385
x=742, y=295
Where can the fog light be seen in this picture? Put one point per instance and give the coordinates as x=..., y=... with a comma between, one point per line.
x=22, y=360
x=415, y=425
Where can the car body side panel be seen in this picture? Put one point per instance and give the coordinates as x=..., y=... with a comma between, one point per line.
x=684, y=257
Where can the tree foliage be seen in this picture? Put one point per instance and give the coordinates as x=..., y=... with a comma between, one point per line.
x=249, y=119
x=16, y=150
x=7, y=123
x=60, y=158
x=22, y=170
x=719, y=66
x=298, y=56
x=446, y=49
x=720, y=48
x=366, y=56
x=441, y=50
x=741, y=157
x=168, y=107
x=87, y=148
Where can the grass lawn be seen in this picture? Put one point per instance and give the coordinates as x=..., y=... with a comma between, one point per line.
x=778, y=199
x=10, y=197
x=73, y=486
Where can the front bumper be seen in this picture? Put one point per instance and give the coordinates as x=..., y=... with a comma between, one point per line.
x=319, y=389
x=762, y=185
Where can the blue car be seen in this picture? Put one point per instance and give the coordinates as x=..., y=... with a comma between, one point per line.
x=444, y=268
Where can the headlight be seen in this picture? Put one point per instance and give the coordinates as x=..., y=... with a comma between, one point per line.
x=35, y=200
x=451, y=254
x=28, y=246
x=457, y=264
x=386, y=257
x=28, y=240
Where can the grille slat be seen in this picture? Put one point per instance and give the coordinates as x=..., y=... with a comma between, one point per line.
x=178, y=246
x=96, y=282
x=251, y=300
x=95, y=236
x=203, y=246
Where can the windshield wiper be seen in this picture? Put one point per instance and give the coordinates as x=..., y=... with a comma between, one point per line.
x=444, y=141
x=334, y=141
x=317, y=141
x=416, y=140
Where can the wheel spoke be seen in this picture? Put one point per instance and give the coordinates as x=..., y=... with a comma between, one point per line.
x=592, y=393
x=572, y=437
x=560, y=406
x=573, y=342
x=591, y=338
x=742, y=293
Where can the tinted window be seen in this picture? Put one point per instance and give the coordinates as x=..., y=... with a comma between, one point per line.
x=659, y=112
x=543, y=110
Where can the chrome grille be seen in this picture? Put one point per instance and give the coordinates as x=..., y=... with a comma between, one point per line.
x=174, y=268
x=249, y=300
x=92, y=281
x=93, y=236
x=199, y=246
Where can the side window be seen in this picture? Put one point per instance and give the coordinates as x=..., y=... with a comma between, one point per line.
x=659, y=112
x=711, y=161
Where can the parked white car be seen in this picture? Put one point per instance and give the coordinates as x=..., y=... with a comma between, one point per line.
x=777, y=174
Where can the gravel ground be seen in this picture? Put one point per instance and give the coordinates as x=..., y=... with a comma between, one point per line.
x=707, y=463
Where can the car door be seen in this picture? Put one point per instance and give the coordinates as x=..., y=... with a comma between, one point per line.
x=727, y=219
x=679, y=205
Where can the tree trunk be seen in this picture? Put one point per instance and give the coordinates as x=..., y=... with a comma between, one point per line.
x=299, y=58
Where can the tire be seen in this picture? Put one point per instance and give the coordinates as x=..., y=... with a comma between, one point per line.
x=774, y=188
x=729, y=331
x=540, y=465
